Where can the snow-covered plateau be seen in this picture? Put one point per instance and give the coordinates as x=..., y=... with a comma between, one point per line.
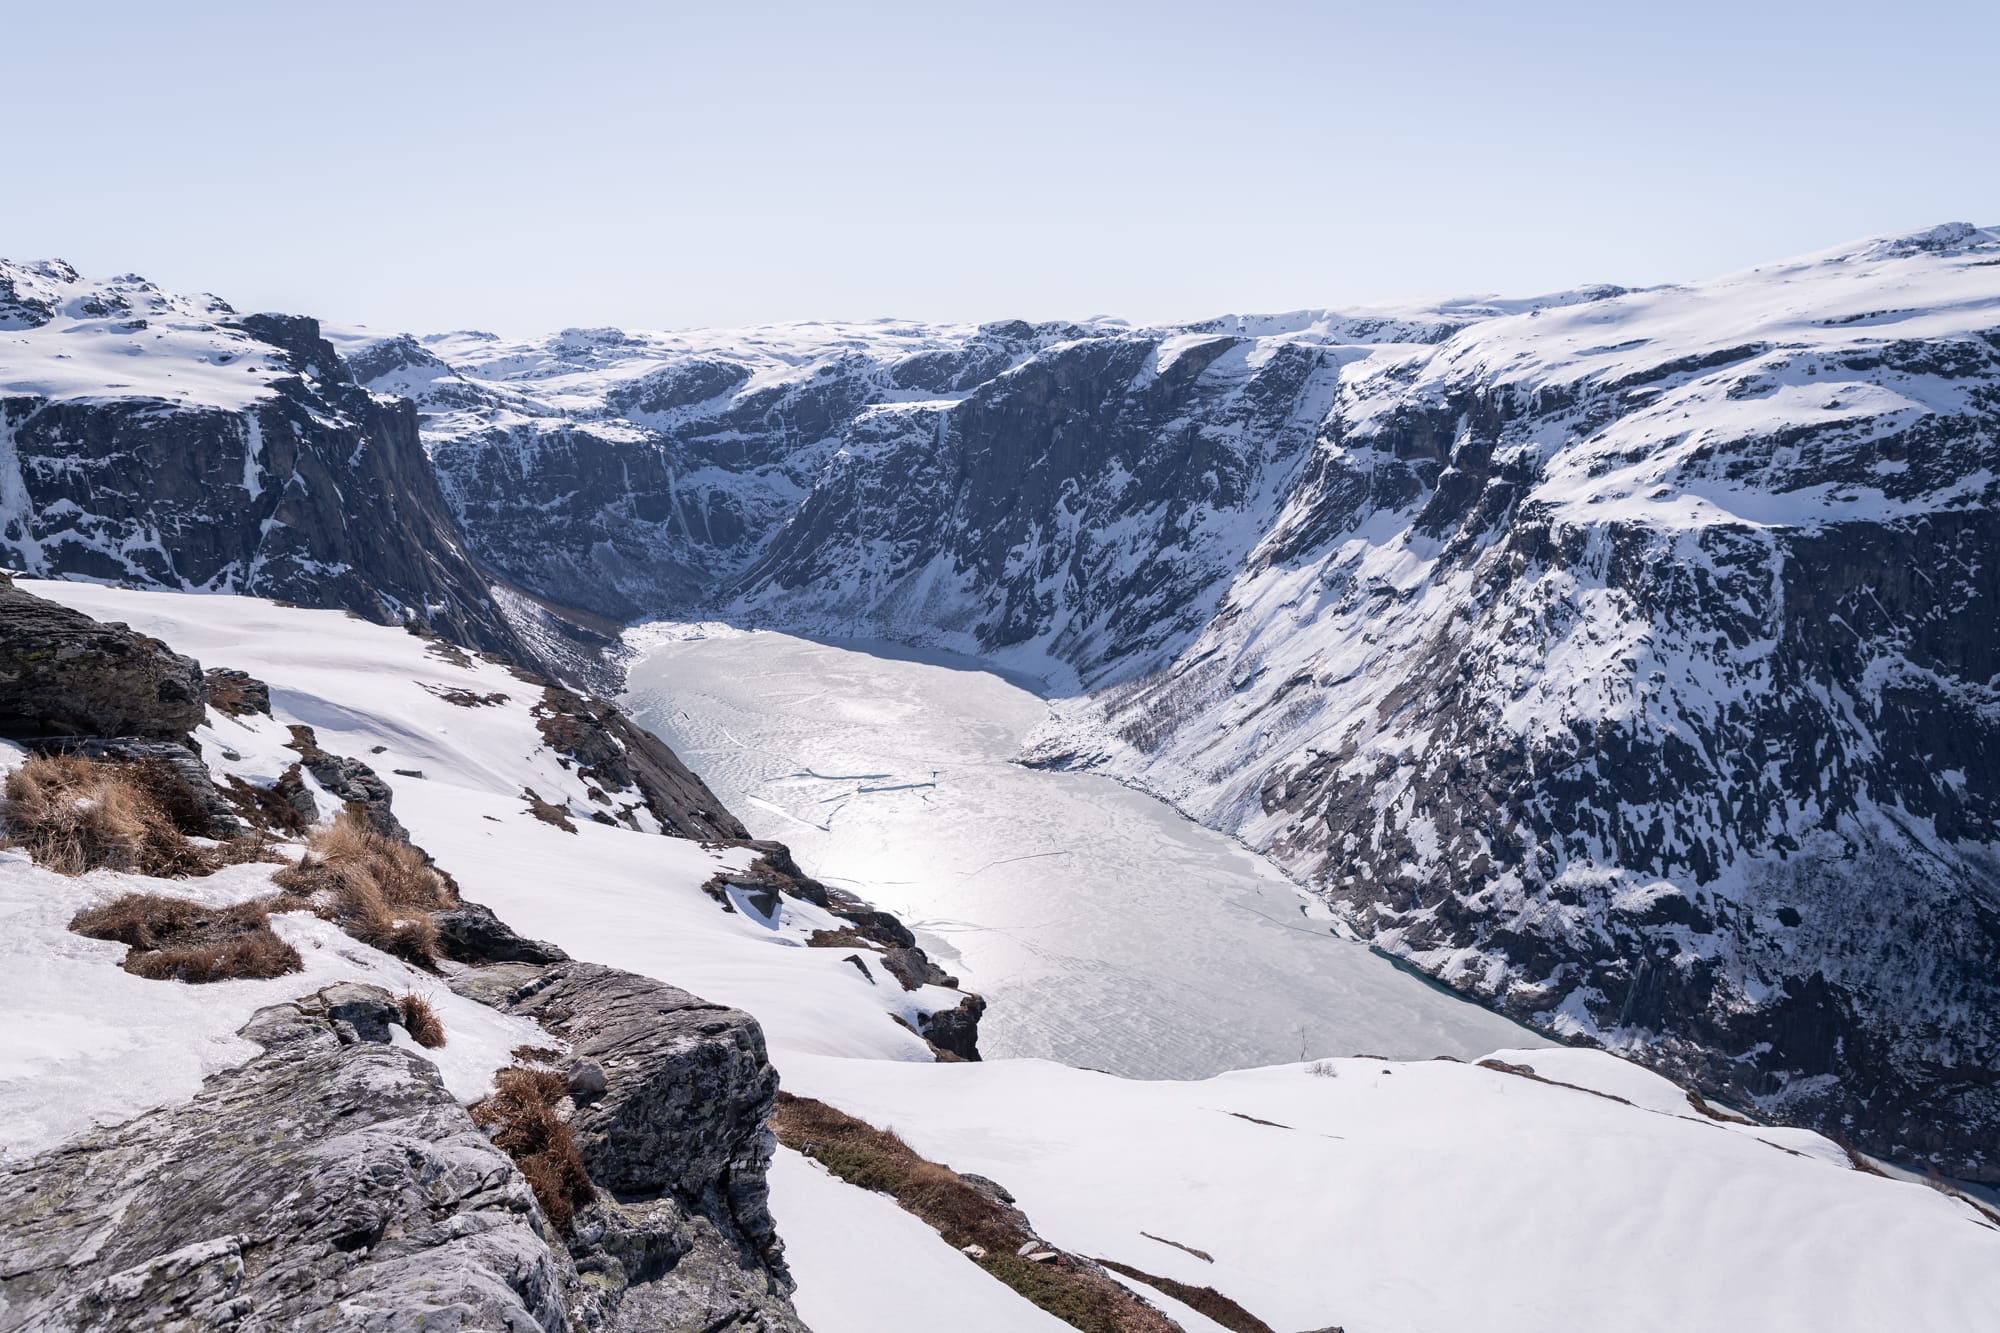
x=1542, y=1188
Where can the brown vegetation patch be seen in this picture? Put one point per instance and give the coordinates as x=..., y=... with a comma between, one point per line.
x=1074, y=1290
x=1204, y=1300
x=376, y=889
x=464, y=698
x=178, y=939
x=523, y=1119
x=421, y=1021
x=268, y=808
x=547, y=811
x=74, y=815
x=847, y=937
x=1528, y=1072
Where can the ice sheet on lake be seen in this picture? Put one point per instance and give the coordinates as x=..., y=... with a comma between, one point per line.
x=1105, y=930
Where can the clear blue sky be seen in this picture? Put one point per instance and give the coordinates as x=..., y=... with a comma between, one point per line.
x=521, y=167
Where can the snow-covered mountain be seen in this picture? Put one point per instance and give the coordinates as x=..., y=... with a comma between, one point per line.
x=170, y=442
x=1624, y=657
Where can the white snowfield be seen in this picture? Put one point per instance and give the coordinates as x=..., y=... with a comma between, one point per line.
x=1384, y=1196
x=1418, y=1197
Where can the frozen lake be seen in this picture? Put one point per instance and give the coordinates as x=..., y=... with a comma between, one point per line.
x=1104, y=929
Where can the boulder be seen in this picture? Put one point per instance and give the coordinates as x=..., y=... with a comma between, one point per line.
x=471, y=933
x=670, y=1095
x=65, y=674
x=957, y=1029
x=688, y=1087
x=350, y=780
x=237, y=693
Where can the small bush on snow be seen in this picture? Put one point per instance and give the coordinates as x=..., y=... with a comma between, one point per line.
x=524, y=1120
x=178, y=939
x=421, y=1021
x=377, y=889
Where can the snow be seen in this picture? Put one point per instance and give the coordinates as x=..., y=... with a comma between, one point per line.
x=90, y=1043
x=87, y=1043
x=863, y=1265
x=1435, y=1195
x=123, y=338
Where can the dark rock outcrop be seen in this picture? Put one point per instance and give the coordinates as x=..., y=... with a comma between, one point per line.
x=471, y=933
x=350, y=780
x=65, y=674
x=331, y=1184
x=672, y=1095
x=957, y=1029
x=624, y=766
x=237, y=693
x=775, y=875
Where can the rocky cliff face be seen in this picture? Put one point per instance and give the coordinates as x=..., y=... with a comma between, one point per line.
x=1633, y=665
x=1069, y=498
x=169, y=442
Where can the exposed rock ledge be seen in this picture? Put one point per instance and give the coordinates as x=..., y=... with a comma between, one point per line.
x=332, y=1183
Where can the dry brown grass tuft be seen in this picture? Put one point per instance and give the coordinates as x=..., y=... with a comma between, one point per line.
x=74, y=815
x=266, y=807
x=178, y=939
x=377, y=889
x=1075, y=1292
x=1203, y=1300
x=537, y=1055
x=421, y=1021
x=523, y=1121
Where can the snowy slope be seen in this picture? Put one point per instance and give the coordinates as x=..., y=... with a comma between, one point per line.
x=1403, y=1198
x=1390, y=1196
x=117, y=1044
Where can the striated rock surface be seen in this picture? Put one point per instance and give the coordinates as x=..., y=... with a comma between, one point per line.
x=627, y=767
x=330, y=1184
x=671, y=1098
